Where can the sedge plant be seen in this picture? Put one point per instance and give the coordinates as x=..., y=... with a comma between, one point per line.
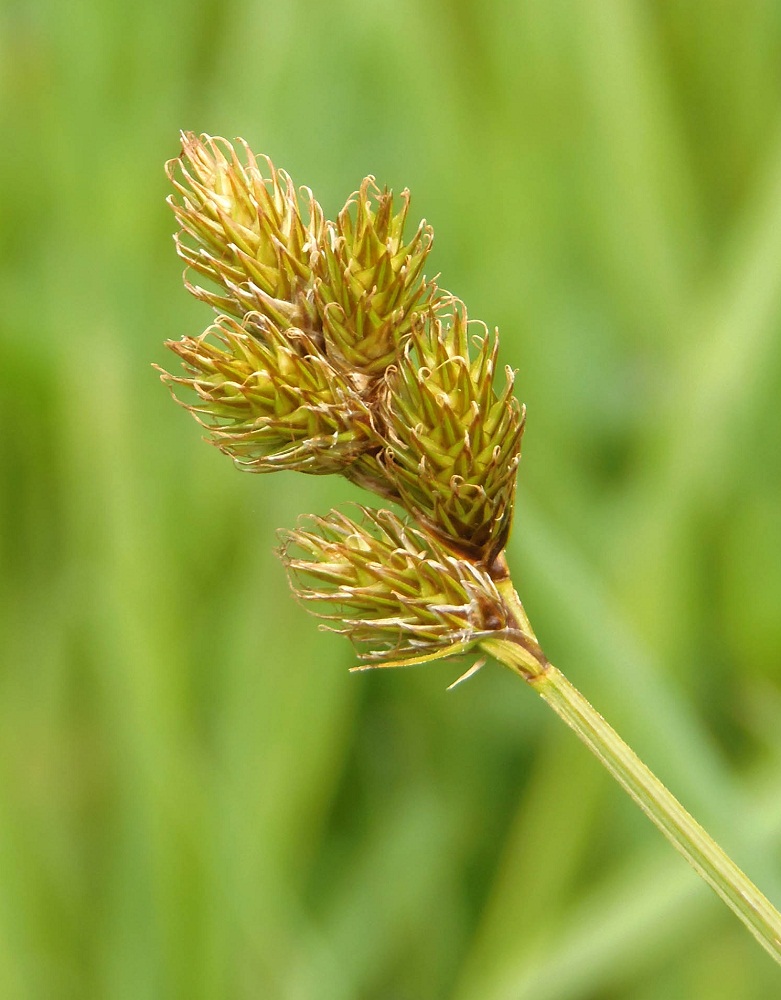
x=333, y=353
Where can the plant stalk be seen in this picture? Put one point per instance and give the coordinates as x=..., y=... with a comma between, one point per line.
x=662, y=808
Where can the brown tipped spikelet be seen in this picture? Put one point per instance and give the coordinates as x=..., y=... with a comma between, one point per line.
x=242, y=228
x=372, y=286
x=398, y=594
x=269, y=399
x=454, y=444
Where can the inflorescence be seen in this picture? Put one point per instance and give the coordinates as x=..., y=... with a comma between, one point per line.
x=333, y=353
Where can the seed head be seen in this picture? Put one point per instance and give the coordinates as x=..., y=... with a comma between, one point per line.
x=371, y=287
x=453, y=444
x=242, y=228
x=269, y=399
x=333, y=355
x=399, y=595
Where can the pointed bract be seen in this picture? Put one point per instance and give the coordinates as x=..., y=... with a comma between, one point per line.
x=397, y=594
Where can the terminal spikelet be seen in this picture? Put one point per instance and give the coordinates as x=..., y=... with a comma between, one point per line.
x=372, y=287
x=242, y=228
x=269, y=399
x=454, y=443
x=399, y=595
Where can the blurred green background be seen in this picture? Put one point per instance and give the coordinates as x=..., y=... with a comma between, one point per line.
x=196, y=799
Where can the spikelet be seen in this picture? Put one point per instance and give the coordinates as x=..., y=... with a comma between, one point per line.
x=242, y=228
x=454, y=444
x=269, y=399
x=372, y=287
x=399, y=595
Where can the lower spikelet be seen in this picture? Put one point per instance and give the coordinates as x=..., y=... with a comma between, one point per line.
x=399, y=595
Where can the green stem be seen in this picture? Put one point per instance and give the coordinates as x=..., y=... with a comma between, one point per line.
x=662, y=808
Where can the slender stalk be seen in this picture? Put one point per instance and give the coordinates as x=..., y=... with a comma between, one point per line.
x=662, y=808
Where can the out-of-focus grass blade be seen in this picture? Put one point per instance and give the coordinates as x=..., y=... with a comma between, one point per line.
x=646, y=911
x=544, y=854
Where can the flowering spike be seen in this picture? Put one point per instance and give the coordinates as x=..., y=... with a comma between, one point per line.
x=399, y=595
x=454, y=444
x=241, y=227
x=269, y=399
x=372, y=287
